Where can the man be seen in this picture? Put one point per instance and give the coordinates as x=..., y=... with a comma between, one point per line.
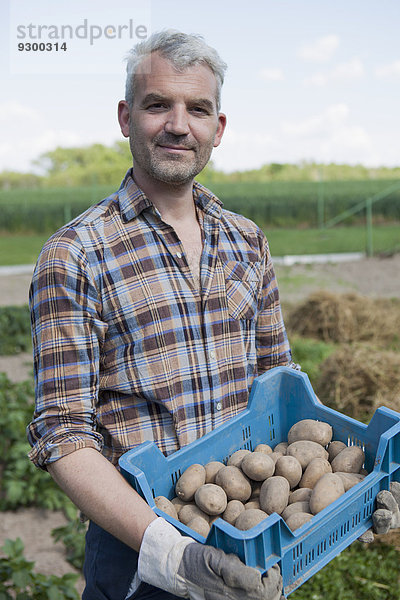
x=152, y=313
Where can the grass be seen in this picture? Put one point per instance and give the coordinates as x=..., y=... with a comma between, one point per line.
x=24, y=248
x=21, y=249
x=386, y=238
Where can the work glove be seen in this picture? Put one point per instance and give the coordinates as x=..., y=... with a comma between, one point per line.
x=387, y=513
x=186, y=568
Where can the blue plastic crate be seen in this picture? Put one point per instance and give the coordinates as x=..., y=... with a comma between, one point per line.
x=278, y=399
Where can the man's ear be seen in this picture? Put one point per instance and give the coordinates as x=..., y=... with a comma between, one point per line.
x=220, y=129
x=124, y=117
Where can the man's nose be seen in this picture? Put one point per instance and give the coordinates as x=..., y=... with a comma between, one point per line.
x=177, y=121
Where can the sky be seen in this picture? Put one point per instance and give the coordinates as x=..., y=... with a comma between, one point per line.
x=306, y=80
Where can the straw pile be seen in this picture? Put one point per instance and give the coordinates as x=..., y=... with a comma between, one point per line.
x=357, y=379
x=346, y=318
x=364, y=372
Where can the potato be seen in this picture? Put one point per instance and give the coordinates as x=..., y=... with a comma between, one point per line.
x=290, y=468
x=263, y=448
x=305, y=451
x=212, y=469
x=349, y=460
x=274, y=494
x=166, y=506
x=328, y=489
x=310, y=430
x=234, y=483
x=178, y=503
x=189, y=512
x=211, y=499
x=296, y=507
x=350, y=479
x=236, y=458
x=275, y=455
x=252, y=504
x=191, y=479
x=298, y=519
x=281, y=447
x=199, y=525
x=232, y=511
x=300, y=495
x=334, y=448
x=314, y=471
x=250, y=518
x=258, y=466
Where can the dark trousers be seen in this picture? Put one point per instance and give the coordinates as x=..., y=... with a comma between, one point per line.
x=110, y=567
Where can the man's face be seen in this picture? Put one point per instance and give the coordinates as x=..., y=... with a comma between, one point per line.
x=173, y=124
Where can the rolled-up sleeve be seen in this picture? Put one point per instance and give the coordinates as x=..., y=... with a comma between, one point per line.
x=67, y=334
x=273, y=347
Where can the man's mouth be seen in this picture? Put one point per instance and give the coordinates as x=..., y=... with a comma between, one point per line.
x=174, y=148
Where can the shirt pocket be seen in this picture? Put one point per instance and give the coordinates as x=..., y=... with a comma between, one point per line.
x=242, y=284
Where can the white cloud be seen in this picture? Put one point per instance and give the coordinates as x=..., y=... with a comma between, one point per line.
x=329, y=136
x=272, y=74
x=13, y=110
x=389, y=70
x=319, y=124
x=320, y=50
x=242, y=150
x=26, y=133
x=353, y=69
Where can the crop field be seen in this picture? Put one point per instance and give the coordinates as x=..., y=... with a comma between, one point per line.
x=270, y=204
x=291, y=214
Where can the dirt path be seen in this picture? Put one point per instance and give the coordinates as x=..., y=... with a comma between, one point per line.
x=368, y=276
x=374, y=277
x=34, y=527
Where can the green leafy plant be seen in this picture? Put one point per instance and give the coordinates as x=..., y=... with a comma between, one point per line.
x=73, y=537
x=359, y=572
x=19, y=581
x=22, y=483
x=15, y=329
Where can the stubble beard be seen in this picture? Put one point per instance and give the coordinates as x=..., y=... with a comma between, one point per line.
x=173, y=169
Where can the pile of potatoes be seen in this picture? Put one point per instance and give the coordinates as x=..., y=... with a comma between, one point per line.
x=297, y=479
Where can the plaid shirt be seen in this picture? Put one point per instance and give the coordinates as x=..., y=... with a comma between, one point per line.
x=126, y=349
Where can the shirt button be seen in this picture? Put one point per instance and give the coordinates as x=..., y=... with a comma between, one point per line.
x=212, y=355
x=218, y=406
x=179, y=255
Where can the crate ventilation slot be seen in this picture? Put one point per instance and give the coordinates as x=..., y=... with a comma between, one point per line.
x=297, y=561
x=368, y=504
x=175, y=476
x=246, y=432
x=300, y=561
x=352, y=440
x=271, y=427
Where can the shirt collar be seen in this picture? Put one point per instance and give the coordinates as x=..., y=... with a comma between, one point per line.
x=133, y=201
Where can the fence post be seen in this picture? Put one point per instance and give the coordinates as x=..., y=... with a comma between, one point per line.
x=321, y=200
x=368, y=208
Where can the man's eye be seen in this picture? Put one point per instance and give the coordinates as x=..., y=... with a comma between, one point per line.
x=156, y=106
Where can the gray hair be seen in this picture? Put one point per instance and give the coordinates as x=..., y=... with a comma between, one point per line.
x=182, y=50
